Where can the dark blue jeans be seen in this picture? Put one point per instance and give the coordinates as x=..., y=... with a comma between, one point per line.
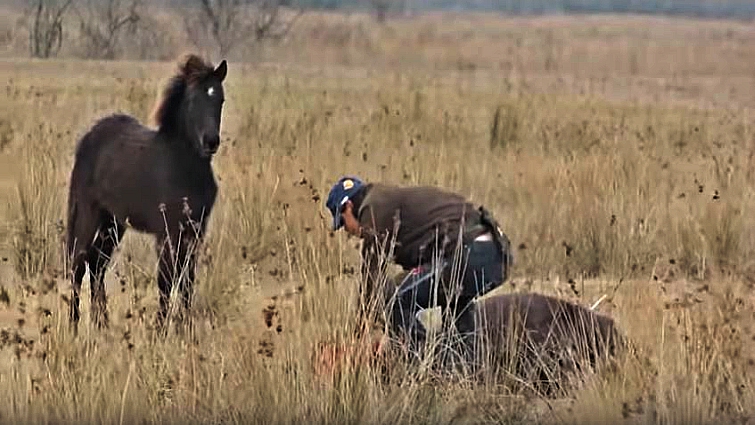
x=478, y=270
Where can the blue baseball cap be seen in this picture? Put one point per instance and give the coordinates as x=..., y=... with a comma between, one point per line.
x=341, y=192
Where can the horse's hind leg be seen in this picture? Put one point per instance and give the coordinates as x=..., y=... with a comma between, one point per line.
x=108, y=236
x=84, y=226
x=77, y=275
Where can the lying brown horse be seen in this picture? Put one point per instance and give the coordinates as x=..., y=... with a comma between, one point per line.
x=543, y=340
x=538, y=339
x=155, y=181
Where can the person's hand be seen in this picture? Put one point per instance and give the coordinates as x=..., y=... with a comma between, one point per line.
x=350, y=222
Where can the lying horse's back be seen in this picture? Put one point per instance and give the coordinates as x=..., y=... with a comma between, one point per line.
x=544, y=316
x=551, y=337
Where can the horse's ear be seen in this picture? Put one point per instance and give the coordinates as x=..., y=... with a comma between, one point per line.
x=221, y=71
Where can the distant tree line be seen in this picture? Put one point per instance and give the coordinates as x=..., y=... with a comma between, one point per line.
x=700, y=8
x=104, y=24
x=697, y=8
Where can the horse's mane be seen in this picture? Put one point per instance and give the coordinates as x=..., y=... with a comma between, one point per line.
x=191, y=69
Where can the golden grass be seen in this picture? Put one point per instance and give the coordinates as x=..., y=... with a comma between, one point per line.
x=611, y=190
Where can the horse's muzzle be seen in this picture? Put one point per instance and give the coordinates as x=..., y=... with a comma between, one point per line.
x=211, y=144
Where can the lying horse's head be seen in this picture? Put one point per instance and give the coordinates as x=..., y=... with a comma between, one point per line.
x=330, y=359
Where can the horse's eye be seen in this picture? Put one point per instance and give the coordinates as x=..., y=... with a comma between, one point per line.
x=211, y=91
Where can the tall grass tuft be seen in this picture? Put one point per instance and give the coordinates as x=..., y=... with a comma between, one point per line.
x=36, y=213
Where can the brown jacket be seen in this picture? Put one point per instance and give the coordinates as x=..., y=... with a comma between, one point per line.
x=427, y=219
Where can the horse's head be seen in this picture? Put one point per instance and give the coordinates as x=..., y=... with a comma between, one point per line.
x=202, y=107
x=192, y=103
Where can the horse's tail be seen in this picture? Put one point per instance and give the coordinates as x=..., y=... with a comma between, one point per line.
x=72, y=208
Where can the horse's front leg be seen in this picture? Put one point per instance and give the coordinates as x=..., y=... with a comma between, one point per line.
x=189, y=262
x=188, y=250
x=165, y=275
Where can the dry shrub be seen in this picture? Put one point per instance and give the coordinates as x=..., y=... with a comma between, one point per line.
x=691, y=368
x=38, y=224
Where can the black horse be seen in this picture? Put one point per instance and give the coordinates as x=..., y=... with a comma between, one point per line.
x=159, y=182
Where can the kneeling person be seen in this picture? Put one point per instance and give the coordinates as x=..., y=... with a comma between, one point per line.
x=429, y=232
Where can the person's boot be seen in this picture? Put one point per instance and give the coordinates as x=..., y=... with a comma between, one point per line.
x=406, y=329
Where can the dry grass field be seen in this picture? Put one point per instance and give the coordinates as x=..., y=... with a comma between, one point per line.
x=617, y=153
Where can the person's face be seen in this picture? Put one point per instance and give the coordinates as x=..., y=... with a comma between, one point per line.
x=350, y=222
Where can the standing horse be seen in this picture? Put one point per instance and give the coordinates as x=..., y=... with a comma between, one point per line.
x=158, y=182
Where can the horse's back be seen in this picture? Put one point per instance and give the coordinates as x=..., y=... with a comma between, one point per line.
x=107, y=131
x=108, y=153
x=543, y=317
x=501, y=309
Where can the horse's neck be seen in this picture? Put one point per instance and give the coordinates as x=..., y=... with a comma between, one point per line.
x=185, y=150
x=177, y=141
